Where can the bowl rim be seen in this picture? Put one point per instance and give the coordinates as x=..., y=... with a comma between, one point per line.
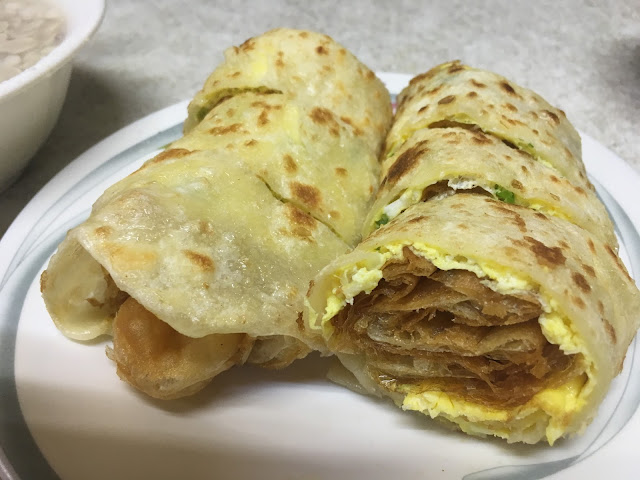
x=74, y=38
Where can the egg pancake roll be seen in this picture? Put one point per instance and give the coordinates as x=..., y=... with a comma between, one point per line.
x=488, y=293
x=200, y=259
x=493, y=316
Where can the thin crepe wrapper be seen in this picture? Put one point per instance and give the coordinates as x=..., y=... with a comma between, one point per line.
x=333, y=179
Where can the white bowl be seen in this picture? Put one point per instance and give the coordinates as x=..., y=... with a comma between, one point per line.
x=30, y=102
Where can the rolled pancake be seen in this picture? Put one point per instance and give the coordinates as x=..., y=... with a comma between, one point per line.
x=489, y=315
x=200, y=260
x=310, y=67
x=453, y=94
x=439, y=162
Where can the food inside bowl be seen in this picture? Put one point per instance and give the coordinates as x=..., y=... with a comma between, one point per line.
x=29, y=30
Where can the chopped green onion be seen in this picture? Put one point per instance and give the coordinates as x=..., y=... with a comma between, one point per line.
x=202, y=113
x=383, y=220
x=504, y=195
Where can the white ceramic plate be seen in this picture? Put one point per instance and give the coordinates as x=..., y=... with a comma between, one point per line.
x=64, y=412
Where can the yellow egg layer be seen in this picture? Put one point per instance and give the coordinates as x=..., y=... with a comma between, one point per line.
x=551, y=409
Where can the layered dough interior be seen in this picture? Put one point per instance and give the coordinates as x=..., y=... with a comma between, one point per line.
x=423, y=329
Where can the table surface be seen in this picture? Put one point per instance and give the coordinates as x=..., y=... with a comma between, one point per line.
x=583, y=56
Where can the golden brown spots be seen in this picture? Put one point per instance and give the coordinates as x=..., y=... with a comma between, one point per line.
x=600, y=307
x=170, y=154
x=480, y=139
x=357, y=131
x=419, y=219
x=303, y=34
x=477, y=84
x=516, y=184
x=472, y=94
x=307, y=194
x=519, y=222
x=322, y=116
x=236, y=74
x=205, y=227
x=422, y=109
x=554, y=196
x=405, y=162
x=541, y=216
x=434, y=90
x=103, y=231
x=302, y=224
x=341, y=172
x=320, y=50
x=510, y=106
x=611, y=332
x=514, y=216
x=549, y=256
x=370, y=75
x=279, y=62
x=290, y=165
x=554, y=179
x=589, y=270
x=564, y=244
x=225, y=130
x=327, y=68
x=506, y=86
x=298, y=217
x=300, y=322
x=200, y=260
x=263, y=119
x=578, y=302
x=446, y=100
x=231, y=112
x=580, y=191
x=524, y=169
x=311, y=284
x=552, y=116
x=456, y=67
x=251, y=143
x=422, y=76
x=462, y=226
x=581, y=282
x=334, y=214
x=248, y=45
x=205, y=285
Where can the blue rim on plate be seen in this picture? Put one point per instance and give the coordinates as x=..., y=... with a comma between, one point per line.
x=39, y=229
